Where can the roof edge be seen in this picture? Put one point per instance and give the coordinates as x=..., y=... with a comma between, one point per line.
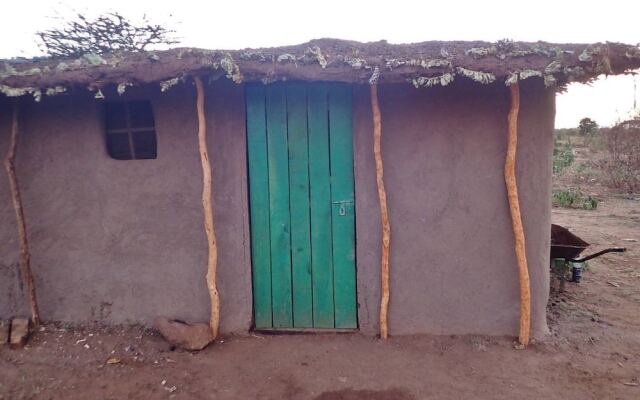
x=425, y=64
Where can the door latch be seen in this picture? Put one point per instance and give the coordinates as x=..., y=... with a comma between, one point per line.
x=342, y=209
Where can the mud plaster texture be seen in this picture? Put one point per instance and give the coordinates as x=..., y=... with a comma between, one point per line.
x=453, y=265
x=123, y=241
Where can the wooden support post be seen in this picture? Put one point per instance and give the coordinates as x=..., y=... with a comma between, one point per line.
x=207, y=207
x=516, y=217
x=25, y=258
x=384, y=215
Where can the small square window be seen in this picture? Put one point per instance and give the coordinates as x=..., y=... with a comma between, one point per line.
x=131, y=133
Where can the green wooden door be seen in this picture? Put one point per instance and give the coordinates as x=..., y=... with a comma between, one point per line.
x=301, y=205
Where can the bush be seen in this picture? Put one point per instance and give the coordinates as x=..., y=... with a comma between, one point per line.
x=621, y=163
x=562, y=156
x=565, y=133
x=573, y=199
x=587, y=127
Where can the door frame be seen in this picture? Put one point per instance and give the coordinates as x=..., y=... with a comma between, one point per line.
x=348, y=90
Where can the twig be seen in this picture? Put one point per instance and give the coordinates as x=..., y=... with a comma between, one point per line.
x=107, y=33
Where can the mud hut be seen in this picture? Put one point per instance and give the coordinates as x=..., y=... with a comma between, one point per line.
x=110, y=167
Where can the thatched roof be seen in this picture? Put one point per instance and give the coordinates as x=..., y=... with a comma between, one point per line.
x=423, y=64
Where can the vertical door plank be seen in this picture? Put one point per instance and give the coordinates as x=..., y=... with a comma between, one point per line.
x=259, y=205
x=279, y=206
x=320, y=198
x=343, y=212
x=299, y=195
x=300, y=149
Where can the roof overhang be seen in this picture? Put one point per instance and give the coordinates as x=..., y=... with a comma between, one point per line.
x=423, y=64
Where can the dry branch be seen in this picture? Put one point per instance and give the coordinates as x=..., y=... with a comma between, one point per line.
x=516, y=217
x=110, y=32
x=384, y=215
x=25, y=258
x=207, y=206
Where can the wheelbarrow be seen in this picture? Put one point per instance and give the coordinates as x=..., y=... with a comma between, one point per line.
x=566, y=247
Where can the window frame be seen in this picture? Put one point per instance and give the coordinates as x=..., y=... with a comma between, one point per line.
x=129, y=130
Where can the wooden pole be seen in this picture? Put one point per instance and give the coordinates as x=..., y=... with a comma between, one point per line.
x=516, y=217
x=384, y=215
x=207, y=207
x=25, y=258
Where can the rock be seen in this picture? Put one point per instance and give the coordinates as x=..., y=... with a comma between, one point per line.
x=19, y=332
x=184, y=335
x=4, y=332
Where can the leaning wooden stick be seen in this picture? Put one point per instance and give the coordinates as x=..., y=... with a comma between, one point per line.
x=207, y=207
x=516, y=217
x=25, y=258
x=384, y=215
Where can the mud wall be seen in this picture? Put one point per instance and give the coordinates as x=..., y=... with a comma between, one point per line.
x=453, y=266
x=123, y=241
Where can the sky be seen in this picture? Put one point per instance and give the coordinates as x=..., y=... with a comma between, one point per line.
x=240, y=23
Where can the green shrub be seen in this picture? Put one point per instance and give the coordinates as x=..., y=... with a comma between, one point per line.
x=573, y=199
x=562, y=156
x=581, y=167
x=565, y=133
x=587, y=126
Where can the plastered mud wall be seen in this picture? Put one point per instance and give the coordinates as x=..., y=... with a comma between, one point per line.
x=123, y=241
x=453, y=266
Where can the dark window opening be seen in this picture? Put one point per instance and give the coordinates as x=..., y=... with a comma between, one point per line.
x=131, y=133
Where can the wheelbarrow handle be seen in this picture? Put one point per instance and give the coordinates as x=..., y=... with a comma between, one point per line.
x=605, y=251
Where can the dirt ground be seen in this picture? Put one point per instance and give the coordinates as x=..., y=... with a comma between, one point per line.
x=592, y=351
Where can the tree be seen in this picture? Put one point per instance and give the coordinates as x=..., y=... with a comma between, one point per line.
x=587, y=126
x=107, y=33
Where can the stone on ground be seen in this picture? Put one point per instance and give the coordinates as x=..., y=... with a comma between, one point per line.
x=4, y=332
x=19, y=332
x=181, y=334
